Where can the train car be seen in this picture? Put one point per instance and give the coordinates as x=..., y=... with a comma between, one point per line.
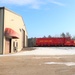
x=55, y=41
x=69, y=42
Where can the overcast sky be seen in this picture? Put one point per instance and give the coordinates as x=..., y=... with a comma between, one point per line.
x=45, y=17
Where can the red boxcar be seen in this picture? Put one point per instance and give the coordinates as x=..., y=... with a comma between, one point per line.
x=54, y=41
x=69, y=42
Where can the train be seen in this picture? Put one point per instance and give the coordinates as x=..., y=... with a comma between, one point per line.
x=54, y=41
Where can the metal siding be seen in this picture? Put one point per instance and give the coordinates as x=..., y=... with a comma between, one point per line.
x=1, y=29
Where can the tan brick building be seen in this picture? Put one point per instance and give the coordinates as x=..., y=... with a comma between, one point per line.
x=13, y=33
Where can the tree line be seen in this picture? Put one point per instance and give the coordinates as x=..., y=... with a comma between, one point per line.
x=32, y=40
x=61, y=35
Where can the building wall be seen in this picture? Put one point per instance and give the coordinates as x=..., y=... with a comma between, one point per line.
x=1, y=29
x=31, y=42
x=14, y=21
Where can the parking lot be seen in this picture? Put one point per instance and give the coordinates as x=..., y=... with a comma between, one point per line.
x=37, y=63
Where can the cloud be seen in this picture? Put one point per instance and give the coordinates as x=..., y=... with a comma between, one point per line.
x=32, y=3
x=56, y=2
x=19, y=2
x=36, y=4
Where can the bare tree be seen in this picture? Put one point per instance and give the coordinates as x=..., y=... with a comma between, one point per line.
x=62, y=35
x=73, y=38
x=44, y=37
x=49, y=36
x=68, y=34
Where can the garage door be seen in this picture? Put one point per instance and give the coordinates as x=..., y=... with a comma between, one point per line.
x=7, y=46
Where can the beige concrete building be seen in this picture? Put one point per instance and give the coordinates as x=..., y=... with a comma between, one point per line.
x=13, y=33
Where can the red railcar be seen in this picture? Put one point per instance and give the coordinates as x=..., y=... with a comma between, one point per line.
x=69, y=42
x=54, y=41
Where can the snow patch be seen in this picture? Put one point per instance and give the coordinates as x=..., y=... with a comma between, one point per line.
x=49, y=51
x=61, y=63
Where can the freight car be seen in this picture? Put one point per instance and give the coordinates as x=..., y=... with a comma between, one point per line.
x=55, y=41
